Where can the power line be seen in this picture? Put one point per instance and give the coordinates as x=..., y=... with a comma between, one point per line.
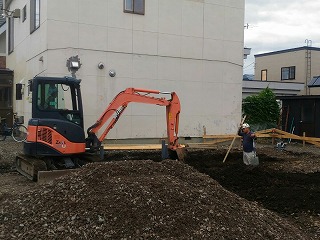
x=248, y=65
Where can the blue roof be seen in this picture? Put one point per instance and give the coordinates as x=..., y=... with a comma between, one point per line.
x=314, y=82
x=248, y=77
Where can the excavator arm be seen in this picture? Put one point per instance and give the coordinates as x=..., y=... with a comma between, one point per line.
x=119, y=104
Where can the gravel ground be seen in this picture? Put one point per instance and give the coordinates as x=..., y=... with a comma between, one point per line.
x=144, y=199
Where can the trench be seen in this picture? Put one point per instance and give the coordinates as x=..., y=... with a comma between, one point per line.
x=286, y=193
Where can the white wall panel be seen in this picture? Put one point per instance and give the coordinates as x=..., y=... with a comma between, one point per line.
x=100, y=41
x=116, y=17
x=192, y=70
x=62, y=34
x=214, y=49
x=120, y=40
x=213, y=71
x=169, y=68
x=191, y=47
x=192, y=19
x=145, y=43
x=61, y=10
x=145, y=67
x=93, y=12
x=170, y=16
x=214, y=21
x=169, y=45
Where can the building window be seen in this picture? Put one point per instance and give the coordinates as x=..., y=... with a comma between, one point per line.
x=34, y=15
x=264, y=75
x=134, y=6
x=10, y=35
x=288, y=73
x=24, y=13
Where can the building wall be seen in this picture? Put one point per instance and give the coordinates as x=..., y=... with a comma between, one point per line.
x=274, y=62
x=194, y=48
x=3, y=44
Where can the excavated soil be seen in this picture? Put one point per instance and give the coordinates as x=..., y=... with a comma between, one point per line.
x=135, y=196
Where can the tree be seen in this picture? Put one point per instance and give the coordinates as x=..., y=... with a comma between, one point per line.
x=262, y=110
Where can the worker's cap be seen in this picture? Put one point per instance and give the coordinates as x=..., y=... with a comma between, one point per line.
x=245, y=125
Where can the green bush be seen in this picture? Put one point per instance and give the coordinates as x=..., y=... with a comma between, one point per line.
x=262, y=110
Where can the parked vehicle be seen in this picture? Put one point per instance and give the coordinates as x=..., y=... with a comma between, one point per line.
x=18, y=131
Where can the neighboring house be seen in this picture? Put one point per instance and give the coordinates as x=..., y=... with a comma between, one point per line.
x=194, y=48
x=296, y=65
x=251, y=87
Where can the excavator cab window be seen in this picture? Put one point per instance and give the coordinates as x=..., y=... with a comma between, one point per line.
x=60, y=98
x=55, y=97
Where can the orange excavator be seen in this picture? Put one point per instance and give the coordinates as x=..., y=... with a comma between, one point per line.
x=56, y=139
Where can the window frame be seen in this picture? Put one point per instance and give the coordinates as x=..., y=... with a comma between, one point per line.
x=266, y=75
x=10, y=35
x=24, y=13
x=133, y=9
x=34, y=17
x=291, y=73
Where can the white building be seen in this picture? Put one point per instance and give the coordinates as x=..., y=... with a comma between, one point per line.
x=192, y=47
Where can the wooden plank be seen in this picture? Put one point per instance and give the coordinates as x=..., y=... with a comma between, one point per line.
x=292, y=136
x=217, y=141
x=218, y=136
x=270, y=130
x=267, y=133
x=132, y=147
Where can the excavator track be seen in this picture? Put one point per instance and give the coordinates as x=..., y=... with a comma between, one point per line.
x=36, y=169
x=30, y=166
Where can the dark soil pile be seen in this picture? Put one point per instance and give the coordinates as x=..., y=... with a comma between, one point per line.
x=286, y=182
x=137, y=200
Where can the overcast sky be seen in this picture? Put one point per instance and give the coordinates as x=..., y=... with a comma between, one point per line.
x=280, y=24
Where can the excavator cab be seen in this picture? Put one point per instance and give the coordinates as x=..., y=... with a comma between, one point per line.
x=56, y=126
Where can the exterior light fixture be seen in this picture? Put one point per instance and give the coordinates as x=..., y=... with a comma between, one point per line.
x=73, y=65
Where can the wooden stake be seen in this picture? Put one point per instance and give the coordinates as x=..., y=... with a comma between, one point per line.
x=234, y=138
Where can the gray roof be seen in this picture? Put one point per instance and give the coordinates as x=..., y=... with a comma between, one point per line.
x=288, y=50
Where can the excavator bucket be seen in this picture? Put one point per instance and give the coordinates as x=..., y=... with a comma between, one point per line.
x=181, y=153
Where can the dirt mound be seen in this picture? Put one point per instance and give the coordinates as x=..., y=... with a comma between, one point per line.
x=8, y=151
x=137, y=199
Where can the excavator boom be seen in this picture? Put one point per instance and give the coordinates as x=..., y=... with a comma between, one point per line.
x=119, y=104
